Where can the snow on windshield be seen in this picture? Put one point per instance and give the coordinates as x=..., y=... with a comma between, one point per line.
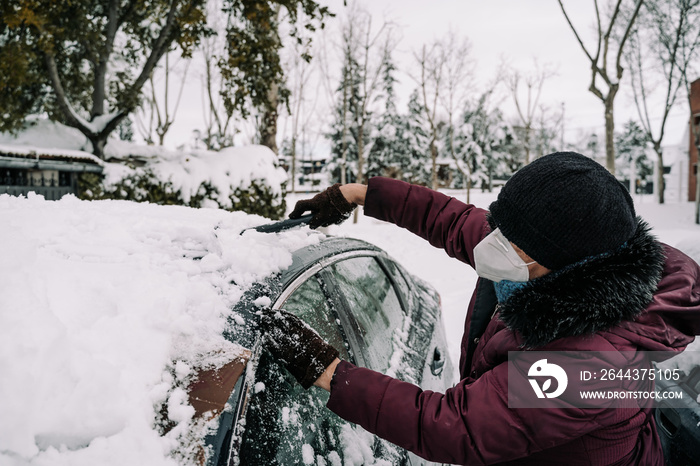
x=107, y=309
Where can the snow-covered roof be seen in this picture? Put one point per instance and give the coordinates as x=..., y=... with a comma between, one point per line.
x=41, y=132
x=43, y=153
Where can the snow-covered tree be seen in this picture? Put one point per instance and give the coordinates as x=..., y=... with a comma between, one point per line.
x=390, y=153
x=86, y=62
x=419, y=168
x=481, y=141
x=344, y=130
x=364, y=49
x=526, y=99
x=632, y=160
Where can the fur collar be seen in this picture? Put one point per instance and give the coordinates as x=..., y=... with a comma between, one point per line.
x=590, y=296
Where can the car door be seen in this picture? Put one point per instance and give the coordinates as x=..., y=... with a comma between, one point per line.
x=427, y=331
x=398, y=322
x=284, y=424
x=398, y=319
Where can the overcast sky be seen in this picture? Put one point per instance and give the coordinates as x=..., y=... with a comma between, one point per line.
x=513, y=30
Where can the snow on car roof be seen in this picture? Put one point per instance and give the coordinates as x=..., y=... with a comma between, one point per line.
x=109, y=307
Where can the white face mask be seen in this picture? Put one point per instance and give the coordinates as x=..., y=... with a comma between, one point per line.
x=495, y=259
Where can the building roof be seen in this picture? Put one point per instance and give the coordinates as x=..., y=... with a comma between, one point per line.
x=22, y=156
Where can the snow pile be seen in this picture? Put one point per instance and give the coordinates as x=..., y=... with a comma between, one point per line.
x=106, y=309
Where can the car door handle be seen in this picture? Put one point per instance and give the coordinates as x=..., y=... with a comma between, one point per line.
x=437, y=365
x=669, y=420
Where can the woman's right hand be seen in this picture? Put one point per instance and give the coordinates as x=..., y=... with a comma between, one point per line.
x=332, y=206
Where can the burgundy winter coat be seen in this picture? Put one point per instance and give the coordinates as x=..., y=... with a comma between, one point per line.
x=602, y=305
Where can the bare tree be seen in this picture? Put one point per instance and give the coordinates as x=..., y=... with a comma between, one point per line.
x=599, y=65
x=300, y=71
x=216, y=115
x=660, y=49
x=327, y=79
x=371, y=49
x=432, y=70
x=270, y=110
x=549, y=126
x=145, y=120
x=458, y=76
x=369, y=46
x=528, y=104
x=160, y=113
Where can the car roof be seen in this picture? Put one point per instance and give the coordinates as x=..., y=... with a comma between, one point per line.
x=330, y=246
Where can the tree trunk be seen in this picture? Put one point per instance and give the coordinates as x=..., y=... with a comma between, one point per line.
x=433, y=157
x=697, y=190
x=294, y=160
x=98, y=145
x=360, y=155
x=660, y=172
x=465, y=175
x=527, y=144
x=268, y=128
x=610, y=132
x=697, y=179
x=344, y=142
x=360, y=160
x=100, y=66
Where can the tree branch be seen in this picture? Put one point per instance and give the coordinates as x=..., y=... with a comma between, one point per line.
x=72, y=118
x=576, y=33
x=105, y=51
x=624, y=38
x=160, y=46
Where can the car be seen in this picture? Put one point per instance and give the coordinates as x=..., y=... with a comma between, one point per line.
x=678, y=422
x=368, y=307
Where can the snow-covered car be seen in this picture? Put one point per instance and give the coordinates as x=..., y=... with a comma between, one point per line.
x=128, y=335
x=367, y=306
x=678, y=423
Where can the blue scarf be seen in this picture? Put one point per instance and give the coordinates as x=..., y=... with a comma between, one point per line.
x=506, y=288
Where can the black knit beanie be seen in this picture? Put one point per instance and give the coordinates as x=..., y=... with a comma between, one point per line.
x=564, y=207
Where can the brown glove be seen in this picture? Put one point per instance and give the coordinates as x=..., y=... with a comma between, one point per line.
x=296, y=345
x=328, y=207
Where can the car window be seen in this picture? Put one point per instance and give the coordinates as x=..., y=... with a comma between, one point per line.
x=309, y=303
x=286, y=424
x=400, y=281
x=374, y=304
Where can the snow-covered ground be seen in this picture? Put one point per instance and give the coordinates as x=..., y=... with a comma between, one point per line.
x=105, y=313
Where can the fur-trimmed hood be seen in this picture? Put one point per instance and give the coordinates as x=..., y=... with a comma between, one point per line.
x=590, y=296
